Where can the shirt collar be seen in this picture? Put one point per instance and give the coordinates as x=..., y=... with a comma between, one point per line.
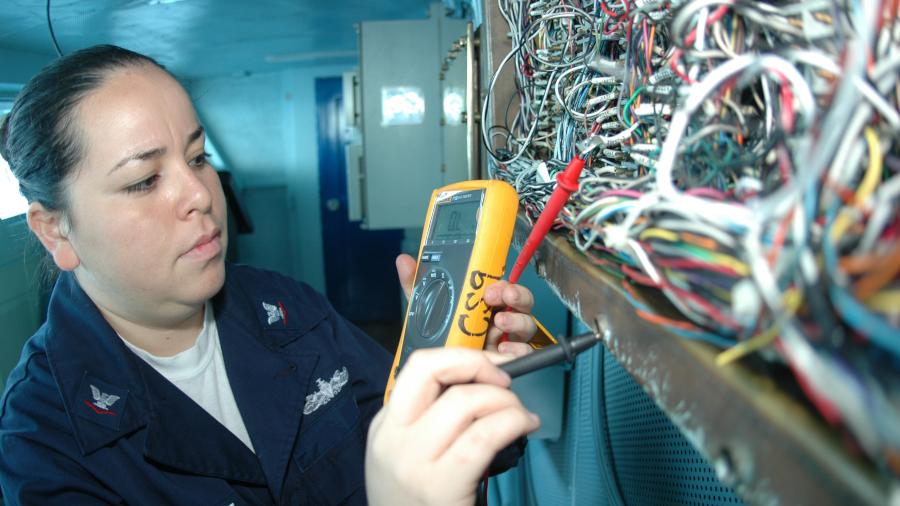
x=83, y=350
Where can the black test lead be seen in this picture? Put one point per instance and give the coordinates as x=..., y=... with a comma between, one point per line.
x=565, y=351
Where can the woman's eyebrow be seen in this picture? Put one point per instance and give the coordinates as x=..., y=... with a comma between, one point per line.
x=142, y=156
x=194, y=135
x=155, y=152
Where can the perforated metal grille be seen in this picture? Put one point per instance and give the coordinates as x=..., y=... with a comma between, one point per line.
x=654, y=463
x=617, y=449
x=566, y=471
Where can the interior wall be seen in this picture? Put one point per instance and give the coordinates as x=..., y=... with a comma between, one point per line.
x=265, y=127
x=243, y=117
x=301, y=135
x=17, y=67
x=21, y=309
x=266, y=246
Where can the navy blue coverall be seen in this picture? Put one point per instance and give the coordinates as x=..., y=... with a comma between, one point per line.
x=85, y=421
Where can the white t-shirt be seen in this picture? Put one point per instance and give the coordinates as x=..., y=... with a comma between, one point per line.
x=199, y=372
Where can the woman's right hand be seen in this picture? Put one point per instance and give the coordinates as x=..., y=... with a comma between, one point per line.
x=450, y=412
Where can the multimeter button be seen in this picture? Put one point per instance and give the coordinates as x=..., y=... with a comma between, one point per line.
x=433, y=307
x=426, y=258
x=436, y=257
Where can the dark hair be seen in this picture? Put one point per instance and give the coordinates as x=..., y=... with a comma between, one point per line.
x=37, y=138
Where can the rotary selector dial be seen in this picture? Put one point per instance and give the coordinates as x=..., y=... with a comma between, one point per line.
x=434, y=305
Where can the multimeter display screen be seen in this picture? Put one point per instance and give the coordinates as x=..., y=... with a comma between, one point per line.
x=455, y=221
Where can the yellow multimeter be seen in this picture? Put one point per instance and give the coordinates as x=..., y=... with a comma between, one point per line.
x=466, y=238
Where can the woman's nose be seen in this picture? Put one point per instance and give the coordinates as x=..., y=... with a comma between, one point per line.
x=195, y=194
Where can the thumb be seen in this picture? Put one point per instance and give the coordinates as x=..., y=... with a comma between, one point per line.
x=406, y=271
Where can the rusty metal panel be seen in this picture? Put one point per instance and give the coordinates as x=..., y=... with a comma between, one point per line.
x=765, y=444
x=495, y=44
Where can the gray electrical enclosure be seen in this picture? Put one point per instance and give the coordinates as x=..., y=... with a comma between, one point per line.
x=402, y=114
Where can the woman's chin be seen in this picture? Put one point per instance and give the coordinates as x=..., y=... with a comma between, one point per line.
x=210, y=279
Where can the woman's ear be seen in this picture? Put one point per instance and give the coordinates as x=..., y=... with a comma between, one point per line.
x=52, y=229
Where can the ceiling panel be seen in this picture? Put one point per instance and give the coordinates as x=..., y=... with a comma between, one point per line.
x=203, y=38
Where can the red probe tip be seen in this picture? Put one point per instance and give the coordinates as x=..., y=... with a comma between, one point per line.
x=567, y=183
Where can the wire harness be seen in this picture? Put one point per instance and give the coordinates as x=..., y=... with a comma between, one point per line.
x=745, y=164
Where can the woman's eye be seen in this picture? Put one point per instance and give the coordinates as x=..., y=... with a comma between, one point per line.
x=143, y=186
x=200, y=160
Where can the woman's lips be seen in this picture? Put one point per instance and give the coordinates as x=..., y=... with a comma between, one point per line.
x=207, y=247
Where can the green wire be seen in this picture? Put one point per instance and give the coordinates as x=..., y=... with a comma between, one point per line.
x=628, y=104
x=730, y=152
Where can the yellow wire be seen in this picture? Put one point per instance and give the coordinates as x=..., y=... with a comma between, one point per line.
x=736, y=265
x=666, y=235
x=887, y=301
x=719, y=258
x=866, y=187
x=841, y=224
x=792, y=300
x=870, y=181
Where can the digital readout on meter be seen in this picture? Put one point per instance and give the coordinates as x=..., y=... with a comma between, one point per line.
x=455, y=222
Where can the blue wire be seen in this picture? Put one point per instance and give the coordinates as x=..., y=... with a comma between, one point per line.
x=634, y=302
x=869, y=324
x=609, y=211
x=713, y=339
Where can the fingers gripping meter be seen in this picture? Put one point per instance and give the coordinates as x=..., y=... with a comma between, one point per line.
x=465, y=241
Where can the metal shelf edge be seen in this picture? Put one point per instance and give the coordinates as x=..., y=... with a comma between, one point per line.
x=764, y=444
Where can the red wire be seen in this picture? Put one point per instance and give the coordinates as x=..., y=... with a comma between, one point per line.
x=710, y=309
x=608, y=11
x=715, y=16
x=628, y=25
x=674, y=63
x=823, y=404
x=787, y=104
x=780, y=236
x=639, y=277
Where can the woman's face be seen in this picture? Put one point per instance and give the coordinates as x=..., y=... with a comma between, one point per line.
x=146, y=212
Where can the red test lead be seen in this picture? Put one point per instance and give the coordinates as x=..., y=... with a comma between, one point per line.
x=566, y=184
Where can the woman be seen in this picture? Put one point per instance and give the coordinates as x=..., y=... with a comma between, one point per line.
x=164, y=375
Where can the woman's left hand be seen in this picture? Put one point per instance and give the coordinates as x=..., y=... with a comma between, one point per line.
x=450, y=412
x=518, y=322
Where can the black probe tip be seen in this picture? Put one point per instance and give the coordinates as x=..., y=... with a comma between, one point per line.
x=565, y=351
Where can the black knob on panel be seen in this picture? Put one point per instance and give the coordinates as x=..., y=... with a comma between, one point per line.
x=434, y=306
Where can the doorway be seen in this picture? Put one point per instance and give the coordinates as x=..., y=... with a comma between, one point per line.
x=360, y=276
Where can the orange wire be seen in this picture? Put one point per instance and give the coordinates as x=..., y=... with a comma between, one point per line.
x=883, y=273
x=842, y=191
x=662, y=320
x=699, y=240
x=778, y=240
x=858, y=264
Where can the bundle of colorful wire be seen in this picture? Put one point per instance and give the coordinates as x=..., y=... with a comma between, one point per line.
x=747, y=166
